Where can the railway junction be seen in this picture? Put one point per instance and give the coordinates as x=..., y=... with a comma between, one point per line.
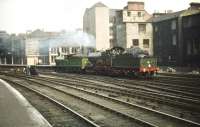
x=83, y=100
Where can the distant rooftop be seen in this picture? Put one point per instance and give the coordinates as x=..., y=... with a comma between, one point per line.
x=194, y=9
x=99, y=4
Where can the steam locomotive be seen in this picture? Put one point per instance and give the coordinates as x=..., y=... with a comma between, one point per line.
x=113, y=62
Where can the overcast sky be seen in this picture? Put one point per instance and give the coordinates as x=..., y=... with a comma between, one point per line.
x=54, y=15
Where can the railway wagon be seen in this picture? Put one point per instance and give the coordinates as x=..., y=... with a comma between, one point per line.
x=72, y=64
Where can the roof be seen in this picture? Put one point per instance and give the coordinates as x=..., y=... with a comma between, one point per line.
x=191, y=12
x=99, y=4
x=182, y=13
x=167, y=16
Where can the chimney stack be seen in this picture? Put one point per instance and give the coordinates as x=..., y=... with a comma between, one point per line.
x=135, y=6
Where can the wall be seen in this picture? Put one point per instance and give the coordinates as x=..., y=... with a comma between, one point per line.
x=132, y=32
x=191, y=40
x=102, y=28
x=96, y=23
x=164, y=47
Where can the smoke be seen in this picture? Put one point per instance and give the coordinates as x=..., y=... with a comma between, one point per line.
x=72, y=39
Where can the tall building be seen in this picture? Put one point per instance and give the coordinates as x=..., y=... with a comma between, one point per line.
x=128, y=27
x=113, y=18
x=133, y=27
x=96, y=23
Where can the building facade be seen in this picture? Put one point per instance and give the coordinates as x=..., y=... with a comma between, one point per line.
x=128, y=28
x=177, y=37
x=96, y=23
x=37, y=47
x=134, y=27
x=12, y=49
x=191, y=38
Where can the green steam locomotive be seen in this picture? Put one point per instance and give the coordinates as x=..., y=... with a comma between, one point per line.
x=112, y=62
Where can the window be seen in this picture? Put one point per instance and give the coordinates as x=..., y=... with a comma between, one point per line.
x=139, y=14
x=189, y=48
x=112, y=19
x=156, y=28
x=111, y=42
x=128, y=13
x=111, y=31
x=195, y=47
x=67, y=50
x=74, y=50
x=146, y=43
x=53, y=59
x=187, y=22
x=173, y=25
x=63, y=50
x=142, y=28
x=135, y=42
x=53, y=50
x=174, y=40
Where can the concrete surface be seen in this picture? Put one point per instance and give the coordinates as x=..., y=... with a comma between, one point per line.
x=16, y=111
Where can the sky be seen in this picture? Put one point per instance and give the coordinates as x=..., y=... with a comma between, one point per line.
x=18, y=16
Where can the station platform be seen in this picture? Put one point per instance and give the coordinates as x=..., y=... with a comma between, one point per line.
x=16, y=111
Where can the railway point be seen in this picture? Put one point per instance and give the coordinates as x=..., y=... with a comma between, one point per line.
x=16, y=111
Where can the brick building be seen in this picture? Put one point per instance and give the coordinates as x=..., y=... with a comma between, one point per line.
x=177, y=37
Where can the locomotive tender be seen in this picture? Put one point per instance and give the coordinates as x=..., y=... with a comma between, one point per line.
x=109, y=63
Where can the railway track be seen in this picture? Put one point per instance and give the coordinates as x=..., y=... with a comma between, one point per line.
x=182, y=84
x=186, y=92
x=173, y=107
x=168, y=119
x=100, y=114
x=172, y=78
x=154, y=117
x=160, y=95
x=55, y=112
x=156, y=83
x=184, y=88
x=188, y=76
x=173, y=89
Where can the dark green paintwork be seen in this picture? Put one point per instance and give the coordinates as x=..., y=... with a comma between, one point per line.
x=79, y=62
x=128, y=61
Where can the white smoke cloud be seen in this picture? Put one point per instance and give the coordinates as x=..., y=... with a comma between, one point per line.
x=72, y=39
